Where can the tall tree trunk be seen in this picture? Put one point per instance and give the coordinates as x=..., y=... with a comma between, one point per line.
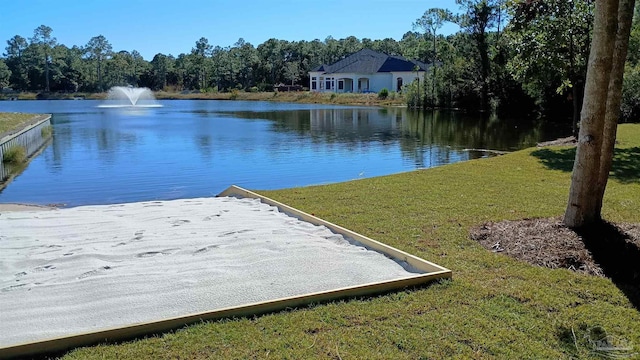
x=576, y=109
x=582, y=205
x=46, y=71
x=485, y=69
x=573, y=79
x=435, y=57
x=614, y=98
x=99, y=77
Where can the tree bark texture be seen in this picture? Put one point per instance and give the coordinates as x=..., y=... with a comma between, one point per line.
x=582, y=204
x=46, y=70
x=614, y=97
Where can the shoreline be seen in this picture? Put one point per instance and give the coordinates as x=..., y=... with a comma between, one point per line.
x=305, y=97
x=15, y=207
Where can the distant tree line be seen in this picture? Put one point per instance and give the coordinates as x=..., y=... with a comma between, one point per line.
x=509, y=56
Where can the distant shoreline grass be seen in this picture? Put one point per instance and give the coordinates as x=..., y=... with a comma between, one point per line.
x=293, y=96
x=495, y=306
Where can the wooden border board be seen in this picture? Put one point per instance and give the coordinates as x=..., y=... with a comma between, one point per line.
x=391, y=252
x=430, y=273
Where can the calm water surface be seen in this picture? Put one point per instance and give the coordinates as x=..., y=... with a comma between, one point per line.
x=198, y=148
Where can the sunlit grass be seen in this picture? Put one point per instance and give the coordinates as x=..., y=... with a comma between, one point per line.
x=495, y=307
x=294, y=96
x=393, y=99
x=11, y=121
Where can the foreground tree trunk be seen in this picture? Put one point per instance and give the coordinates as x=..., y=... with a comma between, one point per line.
x=576, y=109
x=625, y=18
x=582, y=208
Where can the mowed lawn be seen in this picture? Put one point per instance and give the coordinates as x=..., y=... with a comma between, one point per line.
x=494, y=307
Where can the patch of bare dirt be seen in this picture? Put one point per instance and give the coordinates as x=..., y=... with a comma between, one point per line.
x=548, y=243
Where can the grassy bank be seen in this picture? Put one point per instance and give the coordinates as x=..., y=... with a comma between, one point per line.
x=12, y=121
x=56, y=96
x=299, y=97
x=495, y=307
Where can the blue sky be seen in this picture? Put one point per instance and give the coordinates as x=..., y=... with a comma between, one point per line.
x=173, y=27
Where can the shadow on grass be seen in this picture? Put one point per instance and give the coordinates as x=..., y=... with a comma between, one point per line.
x=625, y=168
x=618, y=256
x=594, y=342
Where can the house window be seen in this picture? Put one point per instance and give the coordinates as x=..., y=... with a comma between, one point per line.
x=314, y=85
x=328, y=84
x=399, y=84
x=340, y=84
x=321, y=83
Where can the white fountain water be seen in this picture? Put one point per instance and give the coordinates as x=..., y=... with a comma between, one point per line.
x=127, y=96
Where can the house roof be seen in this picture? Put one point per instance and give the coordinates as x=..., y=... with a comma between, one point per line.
x=367, y=61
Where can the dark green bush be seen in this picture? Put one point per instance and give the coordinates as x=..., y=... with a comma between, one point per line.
x=15, y=155
x=412, y=95
x=630, y=107
x=383, y=94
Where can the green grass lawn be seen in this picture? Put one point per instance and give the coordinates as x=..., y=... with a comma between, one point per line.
x=10, y=121
x=495, y=307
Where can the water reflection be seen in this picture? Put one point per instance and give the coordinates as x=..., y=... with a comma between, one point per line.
x=198, y=148
x=419, y=129
x=446, y=128
x=428, y=138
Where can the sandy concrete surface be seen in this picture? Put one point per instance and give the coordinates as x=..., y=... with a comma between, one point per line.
x=87, y=268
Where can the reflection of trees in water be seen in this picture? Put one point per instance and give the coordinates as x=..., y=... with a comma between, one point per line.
x=203, y=139
x=297, y=121
x=417, y=128
x=354, y=127
x=389, y=127
x=110, y=137
x=425, y=138
x=103, y=134
x=462, y=131
x=419, y=141
x=204, y=145
x=60, y=144
x=440, y=137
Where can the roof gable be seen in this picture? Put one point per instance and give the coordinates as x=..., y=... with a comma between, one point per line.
x=367, y=61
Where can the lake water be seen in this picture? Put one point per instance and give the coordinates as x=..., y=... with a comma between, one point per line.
x=196, y=148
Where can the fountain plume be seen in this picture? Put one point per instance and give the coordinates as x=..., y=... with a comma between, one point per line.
x=127, y=96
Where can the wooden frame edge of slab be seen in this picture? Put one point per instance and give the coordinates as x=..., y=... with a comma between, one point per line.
x=432, y=272
x=394, y=253
x=161, y=326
